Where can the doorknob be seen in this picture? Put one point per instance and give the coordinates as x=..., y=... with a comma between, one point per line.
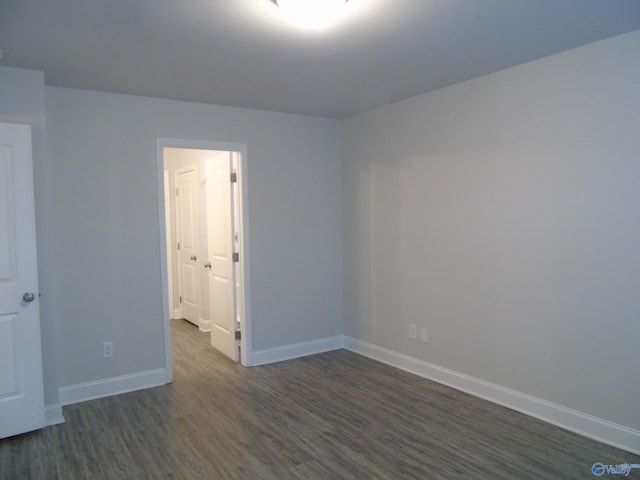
x=207, y=265
x=28, y=296
x=194, y=258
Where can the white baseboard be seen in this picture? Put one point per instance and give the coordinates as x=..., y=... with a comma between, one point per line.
x=205, y=325
x=82, y=392
x=575, y=421
x=303, y=349
x=53, y=414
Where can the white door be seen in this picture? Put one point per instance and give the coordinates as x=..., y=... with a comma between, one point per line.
x=220, y=254
x=188, y=233
x=21, y=388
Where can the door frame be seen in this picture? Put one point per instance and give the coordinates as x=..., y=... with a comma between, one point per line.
x=243, y=303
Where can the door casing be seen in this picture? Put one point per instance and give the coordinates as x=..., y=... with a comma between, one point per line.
x=243, y=305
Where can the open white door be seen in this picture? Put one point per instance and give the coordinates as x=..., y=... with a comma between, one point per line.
x=220, y=253
x=187, y=183
x=21, y=387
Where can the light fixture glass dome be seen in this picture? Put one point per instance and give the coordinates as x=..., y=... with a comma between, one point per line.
x=312, y=14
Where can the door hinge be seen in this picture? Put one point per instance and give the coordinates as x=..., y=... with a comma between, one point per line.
x=177, y=192
x=178, y=245
x=236, y=257
x=234, y=177
x=238, y=335
x=180, y=299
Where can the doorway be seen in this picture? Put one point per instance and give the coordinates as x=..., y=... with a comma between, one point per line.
x=205, y=243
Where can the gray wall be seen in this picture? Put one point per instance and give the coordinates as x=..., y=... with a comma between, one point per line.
x=22, y=100
x=105, y=251
x=503, y=214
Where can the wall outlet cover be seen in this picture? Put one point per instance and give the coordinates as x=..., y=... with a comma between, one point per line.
x=423, y=334
x=107, y=349
x=413, y=331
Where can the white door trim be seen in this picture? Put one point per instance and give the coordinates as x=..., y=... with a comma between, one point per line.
x=244, y=304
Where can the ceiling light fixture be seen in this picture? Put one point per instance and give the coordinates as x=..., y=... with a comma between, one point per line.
x=311, y=14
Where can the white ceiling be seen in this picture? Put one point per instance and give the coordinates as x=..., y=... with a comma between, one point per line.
x=241, y=53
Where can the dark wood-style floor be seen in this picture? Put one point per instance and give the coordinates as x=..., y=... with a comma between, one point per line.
x=331, y=416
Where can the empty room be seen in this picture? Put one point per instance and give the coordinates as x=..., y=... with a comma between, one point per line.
x=317, y=239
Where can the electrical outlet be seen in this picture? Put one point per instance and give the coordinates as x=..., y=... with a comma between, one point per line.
x=107, y=349
x=413, y=332
x=423, y=334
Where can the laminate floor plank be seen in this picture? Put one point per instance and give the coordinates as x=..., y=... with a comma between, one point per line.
x=336, y=415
